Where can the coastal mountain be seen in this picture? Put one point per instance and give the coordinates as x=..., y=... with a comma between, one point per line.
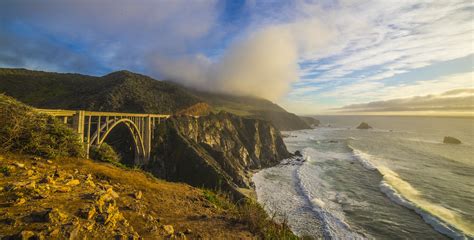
x=125, y=91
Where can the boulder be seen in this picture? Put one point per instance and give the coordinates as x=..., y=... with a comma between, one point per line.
x=20, y=201
x=56, y=216
x=451, y=140
x=73, y=182
x=25, y=235
x=364, y=125
x=168, y=229
x=19, y=165
x=298, y=153
x=138, y=195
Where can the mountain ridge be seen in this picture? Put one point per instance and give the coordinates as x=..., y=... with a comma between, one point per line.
x=126, y=91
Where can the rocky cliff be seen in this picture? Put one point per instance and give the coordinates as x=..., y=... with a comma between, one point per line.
x=215, y=151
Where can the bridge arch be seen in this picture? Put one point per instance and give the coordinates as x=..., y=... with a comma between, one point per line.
x=103, y=131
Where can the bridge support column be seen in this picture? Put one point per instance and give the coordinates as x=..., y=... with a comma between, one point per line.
x=78, y=123
x=147, y=138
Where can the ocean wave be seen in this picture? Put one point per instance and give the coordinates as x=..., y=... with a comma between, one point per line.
x=403, y=193
x=418, y=140
x=334, y=225
x=363, y=158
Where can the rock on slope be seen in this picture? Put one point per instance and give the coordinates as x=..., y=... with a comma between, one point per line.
x=82, y=199
x=216, y=151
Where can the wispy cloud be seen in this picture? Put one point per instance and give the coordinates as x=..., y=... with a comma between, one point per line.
x=389, y=38
x=454, y=100
x=376, y=90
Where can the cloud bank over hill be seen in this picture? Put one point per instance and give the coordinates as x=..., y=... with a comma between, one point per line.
x=161, y=38
x=263, y=64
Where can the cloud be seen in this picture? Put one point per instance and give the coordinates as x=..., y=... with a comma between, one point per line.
x=382, y=41
x=358, y=92
x=393, y=37
x=116, y=34
x=263, y=64
x=454, y=100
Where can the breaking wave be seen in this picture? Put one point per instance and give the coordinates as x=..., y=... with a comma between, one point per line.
x=442, y=219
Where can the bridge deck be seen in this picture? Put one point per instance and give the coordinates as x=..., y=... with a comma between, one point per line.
x=70, y=113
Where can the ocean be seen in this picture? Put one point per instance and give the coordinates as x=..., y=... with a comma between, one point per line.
x=395, y=181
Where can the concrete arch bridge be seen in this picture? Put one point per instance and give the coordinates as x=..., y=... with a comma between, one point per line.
x=94, y=127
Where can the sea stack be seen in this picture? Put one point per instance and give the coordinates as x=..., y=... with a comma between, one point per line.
x=451, y=140
x=364, y=125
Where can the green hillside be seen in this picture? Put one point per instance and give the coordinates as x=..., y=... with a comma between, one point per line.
x=130, y=92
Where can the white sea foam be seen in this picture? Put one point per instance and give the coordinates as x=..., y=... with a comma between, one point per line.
x=363, y=158
x=419, y=140
x=401, y=192
x=328, y=209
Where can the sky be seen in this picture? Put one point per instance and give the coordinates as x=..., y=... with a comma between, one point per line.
x=311, y=57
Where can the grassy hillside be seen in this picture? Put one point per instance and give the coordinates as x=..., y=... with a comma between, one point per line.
x=118, y=91
x=130, y=92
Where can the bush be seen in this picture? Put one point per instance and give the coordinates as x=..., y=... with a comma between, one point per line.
x=104, y=153
x=254, y=216
x=251, y=214
x=24, y=130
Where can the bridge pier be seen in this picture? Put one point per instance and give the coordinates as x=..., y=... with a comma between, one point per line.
x=147, y=138
x=78, y=123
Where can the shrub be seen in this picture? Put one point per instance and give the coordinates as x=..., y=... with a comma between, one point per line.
x=251, y=214
x=104, y=153
x=25, y=130
x=254, y=216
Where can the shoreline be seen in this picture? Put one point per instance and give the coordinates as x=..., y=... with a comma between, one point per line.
x=434, y=223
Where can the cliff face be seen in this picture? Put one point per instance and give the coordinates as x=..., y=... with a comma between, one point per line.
x=218, y=150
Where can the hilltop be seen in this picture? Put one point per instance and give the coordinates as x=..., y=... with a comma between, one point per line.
x=125, y=91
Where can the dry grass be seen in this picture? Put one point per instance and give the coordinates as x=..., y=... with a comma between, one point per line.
x=180, y=205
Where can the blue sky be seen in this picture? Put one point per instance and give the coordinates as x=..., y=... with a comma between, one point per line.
x=309, y=56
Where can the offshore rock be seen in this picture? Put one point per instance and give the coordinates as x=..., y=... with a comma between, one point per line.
x=451, y=140
x=364, y=125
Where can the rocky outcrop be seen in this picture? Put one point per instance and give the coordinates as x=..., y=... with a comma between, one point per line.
x=198, y=109
x=364, y=125
x=311, y=121
x=282, y=120
x=215, y=151
x=451, y=140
